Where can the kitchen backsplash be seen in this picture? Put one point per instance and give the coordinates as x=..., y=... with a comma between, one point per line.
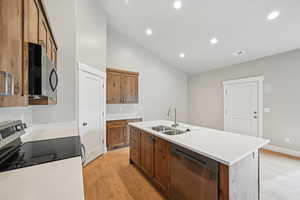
x=124, y=108
x=16, y=113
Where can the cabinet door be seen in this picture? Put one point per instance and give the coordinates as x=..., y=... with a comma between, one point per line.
x=162, y=164
x=129, y=88
x=127, y=133
x=31, y=21
x=147, y=142
x=54, y=55
x=115, y=137
x=43, y=30
x=113, y=88
x=50, y=44
x=135, y=148
x=11, y=47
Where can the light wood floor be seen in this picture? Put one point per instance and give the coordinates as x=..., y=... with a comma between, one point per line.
x=111, y=177
x=280, y=177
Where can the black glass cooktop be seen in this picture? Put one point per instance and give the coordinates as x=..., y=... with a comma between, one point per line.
x=39, y=152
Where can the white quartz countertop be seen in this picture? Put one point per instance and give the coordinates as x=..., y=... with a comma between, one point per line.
x=113, y=117
x=50, y=181
x=224, y=147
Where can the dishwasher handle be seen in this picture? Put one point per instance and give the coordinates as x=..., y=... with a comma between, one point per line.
x=197, y=158
x=187, y=156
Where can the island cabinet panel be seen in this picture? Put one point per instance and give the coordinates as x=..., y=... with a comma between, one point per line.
x=244, y=178
x=135, y=148
x=223, y=182
x=122, y=87
x=162, y=164
x=147, y=150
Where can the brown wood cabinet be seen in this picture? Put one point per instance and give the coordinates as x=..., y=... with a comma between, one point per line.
x=162, y=164
x=152, y=155
x=122, y=87
x=21, y=22
x=147, y=153
x=135, y=148
x=11, y=50
x=118, y=133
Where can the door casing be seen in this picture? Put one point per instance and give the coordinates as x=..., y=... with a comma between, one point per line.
x=260, y=81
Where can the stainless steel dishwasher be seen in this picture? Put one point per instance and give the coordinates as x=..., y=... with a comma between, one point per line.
x=193, y=176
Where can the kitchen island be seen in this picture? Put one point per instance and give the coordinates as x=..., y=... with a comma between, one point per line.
x=201, y=163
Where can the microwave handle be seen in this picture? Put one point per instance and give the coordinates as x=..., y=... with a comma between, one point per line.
x=53, y=72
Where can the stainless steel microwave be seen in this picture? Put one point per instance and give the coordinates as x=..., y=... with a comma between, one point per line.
x=43, y=78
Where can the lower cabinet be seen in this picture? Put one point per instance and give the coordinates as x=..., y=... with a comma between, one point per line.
x=162, y=164
x=117, y=133
x=135, y=146
x=152, y=155
x=147, y=150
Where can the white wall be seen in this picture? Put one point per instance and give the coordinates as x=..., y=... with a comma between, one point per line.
x=281, y=94
x=91, y=33
x=16, y=113
x=161, y=85
x=61, y=14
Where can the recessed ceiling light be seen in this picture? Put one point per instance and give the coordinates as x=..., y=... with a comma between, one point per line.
x=239, y=53
x=177, y=5
x=273, y=15
x=181, y=55
x=149, y=31
x=214, y=41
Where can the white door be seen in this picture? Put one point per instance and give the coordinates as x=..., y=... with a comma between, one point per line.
x=91, y=109
x=241, y=107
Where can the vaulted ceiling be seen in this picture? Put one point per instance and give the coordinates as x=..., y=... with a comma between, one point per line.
x=238, y=25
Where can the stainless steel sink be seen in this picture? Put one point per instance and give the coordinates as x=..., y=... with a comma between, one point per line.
x=174, y=132
x=161, y=128
x=168, y=130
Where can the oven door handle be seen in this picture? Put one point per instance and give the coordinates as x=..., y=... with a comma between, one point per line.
x=53, y=72
x=83, y=154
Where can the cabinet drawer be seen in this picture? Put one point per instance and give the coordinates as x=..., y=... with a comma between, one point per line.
x=116, y=124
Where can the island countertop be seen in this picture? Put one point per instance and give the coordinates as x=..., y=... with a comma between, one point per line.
x=225, y=147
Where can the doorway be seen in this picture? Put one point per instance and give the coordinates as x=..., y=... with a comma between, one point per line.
x=91, y=111
x=243, y=106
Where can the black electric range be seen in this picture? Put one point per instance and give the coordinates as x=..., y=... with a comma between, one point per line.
x=15, y=154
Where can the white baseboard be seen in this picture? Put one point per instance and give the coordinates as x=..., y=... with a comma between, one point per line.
x=282, y=150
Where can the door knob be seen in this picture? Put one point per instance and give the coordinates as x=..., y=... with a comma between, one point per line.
x=255, y=117
x=84, y=124
x=255, y=112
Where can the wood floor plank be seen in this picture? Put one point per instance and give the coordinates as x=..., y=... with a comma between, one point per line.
x=111, y=177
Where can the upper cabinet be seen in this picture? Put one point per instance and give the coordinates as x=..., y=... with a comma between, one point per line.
x=21, y=22
x=122, y=87
x=11, y=53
